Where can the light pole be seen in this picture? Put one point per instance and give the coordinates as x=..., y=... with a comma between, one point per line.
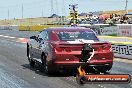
x=126, y=5
x=52, y=7
x=42, y=13
x=8, y=14
x=52, y=10
x=22, y=11
x=73, y=1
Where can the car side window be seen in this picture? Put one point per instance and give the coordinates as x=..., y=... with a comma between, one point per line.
x=43, y=35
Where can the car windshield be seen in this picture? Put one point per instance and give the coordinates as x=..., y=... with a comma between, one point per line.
x=71, y=36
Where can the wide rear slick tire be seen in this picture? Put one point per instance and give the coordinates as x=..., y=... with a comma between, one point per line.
x=103, y=69
x=45, y=66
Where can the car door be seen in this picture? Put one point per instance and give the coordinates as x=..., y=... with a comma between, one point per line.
x=42, y=38
x=33, y=46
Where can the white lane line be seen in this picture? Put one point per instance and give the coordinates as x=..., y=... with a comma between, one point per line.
x=6, y=36
x=12, y=37
x=101, y=86
x=21, y=38
x=123, y=60
x=1, y=35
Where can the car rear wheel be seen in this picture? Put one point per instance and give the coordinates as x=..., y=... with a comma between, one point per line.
x=45, y=66
x=103, y=69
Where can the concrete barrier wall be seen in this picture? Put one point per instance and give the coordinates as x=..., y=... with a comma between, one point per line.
x=116, y=30
x=4, y=28
x=11, y=27
x=27, y=28
x=101, y=29
x=113, y=30
x=31, y=28
x=37, y=27
x=125, y=30
x=14, y=27
x=23, y=28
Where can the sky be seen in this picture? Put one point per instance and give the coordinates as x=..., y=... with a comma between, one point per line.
x=38, y=8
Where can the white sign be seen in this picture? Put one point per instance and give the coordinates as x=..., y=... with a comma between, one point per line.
x=109, y=30
x=122, y=51
x=125, y=30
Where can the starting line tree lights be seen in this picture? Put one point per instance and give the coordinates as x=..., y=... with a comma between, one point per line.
x=73, y=14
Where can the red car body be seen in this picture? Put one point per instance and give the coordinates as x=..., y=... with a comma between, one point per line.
x=61, y=53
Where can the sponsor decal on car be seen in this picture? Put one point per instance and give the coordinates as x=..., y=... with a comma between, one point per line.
x=80, y=41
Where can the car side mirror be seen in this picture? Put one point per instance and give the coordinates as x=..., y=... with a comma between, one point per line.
x=33, y=37
x=40, y=39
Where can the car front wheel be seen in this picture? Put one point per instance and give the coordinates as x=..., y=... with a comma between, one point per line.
x=31, y=62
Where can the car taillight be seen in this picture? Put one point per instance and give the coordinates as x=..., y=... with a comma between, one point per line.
x=67, y=49
x=99, y=49
x=59, y=49
x=107, y=47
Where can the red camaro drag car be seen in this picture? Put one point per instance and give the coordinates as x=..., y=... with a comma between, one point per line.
x=67, y=48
